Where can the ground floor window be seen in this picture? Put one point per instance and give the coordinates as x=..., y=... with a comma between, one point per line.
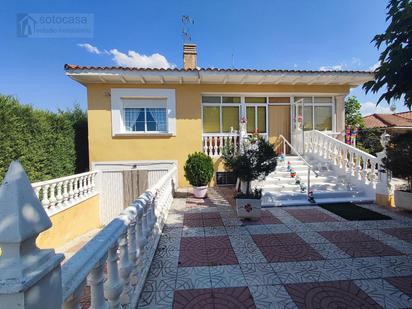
x=145, y=119
x=221, y=119
x=256, y=119
x=317, y=112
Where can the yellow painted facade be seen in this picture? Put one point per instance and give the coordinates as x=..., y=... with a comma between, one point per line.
x=71, y=223
x=188, y=139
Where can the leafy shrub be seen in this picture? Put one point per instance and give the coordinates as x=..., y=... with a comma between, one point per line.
x=199, y=169
x=256, y=161
x=44, y=142
x=369, y=140
x=399, y=154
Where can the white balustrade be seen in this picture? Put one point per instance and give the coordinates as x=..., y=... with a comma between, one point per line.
x=61, y=193
x=358, y=164
x=213, y=143
x=125, y=247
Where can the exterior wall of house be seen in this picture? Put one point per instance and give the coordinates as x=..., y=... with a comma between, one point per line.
x=71, y=223
x=104, y=147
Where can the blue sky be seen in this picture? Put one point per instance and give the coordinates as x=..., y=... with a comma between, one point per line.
x=293, y=34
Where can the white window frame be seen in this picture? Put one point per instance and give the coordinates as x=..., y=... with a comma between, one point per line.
x=314, y=104
x=255, y=106
x=220, y=105
x=119, y=101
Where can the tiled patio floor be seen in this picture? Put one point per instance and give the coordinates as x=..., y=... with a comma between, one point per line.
x=295, y=257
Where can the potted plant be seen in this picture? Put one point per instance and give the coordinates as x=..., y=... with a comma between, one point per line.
x=256, y=160
x=199, y=171
x=398, y=161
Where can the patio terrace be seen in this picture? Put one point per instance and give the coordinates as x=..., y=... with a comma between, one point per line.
x=294, y=257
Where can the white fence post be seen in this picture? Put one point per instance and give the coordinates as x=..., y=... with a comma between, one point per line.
x=29, y=277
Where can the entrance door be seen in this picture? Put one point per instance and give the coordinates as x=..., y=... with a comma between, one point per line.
x=298, y=136
x=279, y=123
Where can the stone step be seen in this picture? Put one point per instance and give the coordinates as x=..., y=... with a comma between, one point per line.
x=305, y=202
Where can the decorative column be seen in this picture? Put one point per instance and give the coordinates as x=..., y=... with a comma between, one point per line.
x=340, y=115
x=384, y=190
x=29, y=277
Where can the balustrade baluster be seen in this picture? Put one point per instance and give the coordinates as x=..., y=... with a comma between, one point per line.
x=125, y=267
x=113, y=287
x=141, y=240
x=65, y=192
x=76, y=188
x=84, y=187
x=52, y=197
x=37, y=191
x=132, y=248
x=215, y=151
x=364, y=170
x=95, y=280
x=145, y=225
x=59, y=196
x=45, y=196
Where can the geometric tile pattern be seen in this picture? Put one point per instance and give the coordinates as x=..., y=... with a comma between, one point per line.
x=311, y=215
x=294, y=257
x=332, y=294
x=358, y=244
x=401, y=233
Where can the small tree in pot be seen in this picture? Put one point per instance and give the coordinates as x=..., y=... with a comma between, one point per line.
x=398, y=160
x=199, y=172
x=256, y=161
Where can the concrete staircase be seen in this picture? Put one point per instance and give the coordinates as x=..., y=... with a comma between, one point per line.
x=328, y=183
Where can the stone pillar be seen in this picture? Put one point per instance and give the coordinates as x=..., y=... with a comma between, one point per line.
x=29, y=277
x=340, y=115
x=384, y=190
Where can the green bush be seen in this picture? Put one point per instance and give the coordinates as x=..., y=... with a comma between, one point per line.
x=44, y=142
x=399, y=154
x=369, y=140
x=199, y=169
x=256, y=162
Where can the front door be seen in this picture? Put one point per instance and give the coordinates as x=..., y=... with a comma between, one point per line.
x=297, y=136
x=279, y=124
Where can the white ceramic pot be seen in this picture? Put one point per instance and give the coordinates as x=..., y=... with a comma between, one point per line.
x=248, y=208
x=199, y=192
x=403, y=199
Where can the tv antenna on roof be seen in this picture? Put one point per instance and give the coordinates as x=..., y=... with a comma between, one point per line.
x=187, y=21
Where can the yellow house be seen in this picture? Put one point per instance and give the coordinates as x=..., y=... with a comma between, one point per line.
x=158, y=115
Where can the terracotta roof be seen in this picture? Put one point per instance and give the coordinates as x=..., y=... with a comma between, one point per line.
x=403, y=119
x=108, y=68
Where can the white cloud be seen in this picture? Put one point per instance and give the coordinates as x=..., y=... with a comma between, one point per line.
x=92, y=49
x=134, y=59
x=369, y=108
x=375, y=66
x=337, y=67
x=356, y=61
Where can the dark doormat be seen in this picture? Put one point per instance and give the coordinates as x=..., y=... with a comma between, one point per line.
x=354, y=212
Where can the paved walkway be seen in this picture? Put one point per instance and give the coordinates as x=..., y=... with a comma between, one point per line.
x=294, y=257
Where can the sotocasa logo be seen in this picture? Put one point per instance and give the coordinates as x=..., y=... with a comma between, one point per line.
x=37, y=25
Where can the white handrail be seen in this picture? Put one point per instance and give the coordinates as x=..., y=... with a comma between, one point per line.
x=356, y=163
x=310, y=167
x=126, y=246
x=352, y=148
x=60, y=193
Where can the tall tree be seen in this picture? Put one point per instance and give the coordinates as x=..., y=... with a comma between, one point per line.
x=394, y=73
x=353, y=115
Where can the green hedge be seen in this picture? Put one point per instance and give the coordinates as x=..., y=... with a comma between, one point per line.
x=49, y=145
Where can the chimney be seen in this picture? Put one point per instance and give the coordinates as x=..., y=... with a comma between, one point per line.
x=189, y=56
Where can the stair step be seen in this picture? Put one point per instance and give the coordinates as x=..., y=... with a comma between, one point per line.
x=304, y=202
